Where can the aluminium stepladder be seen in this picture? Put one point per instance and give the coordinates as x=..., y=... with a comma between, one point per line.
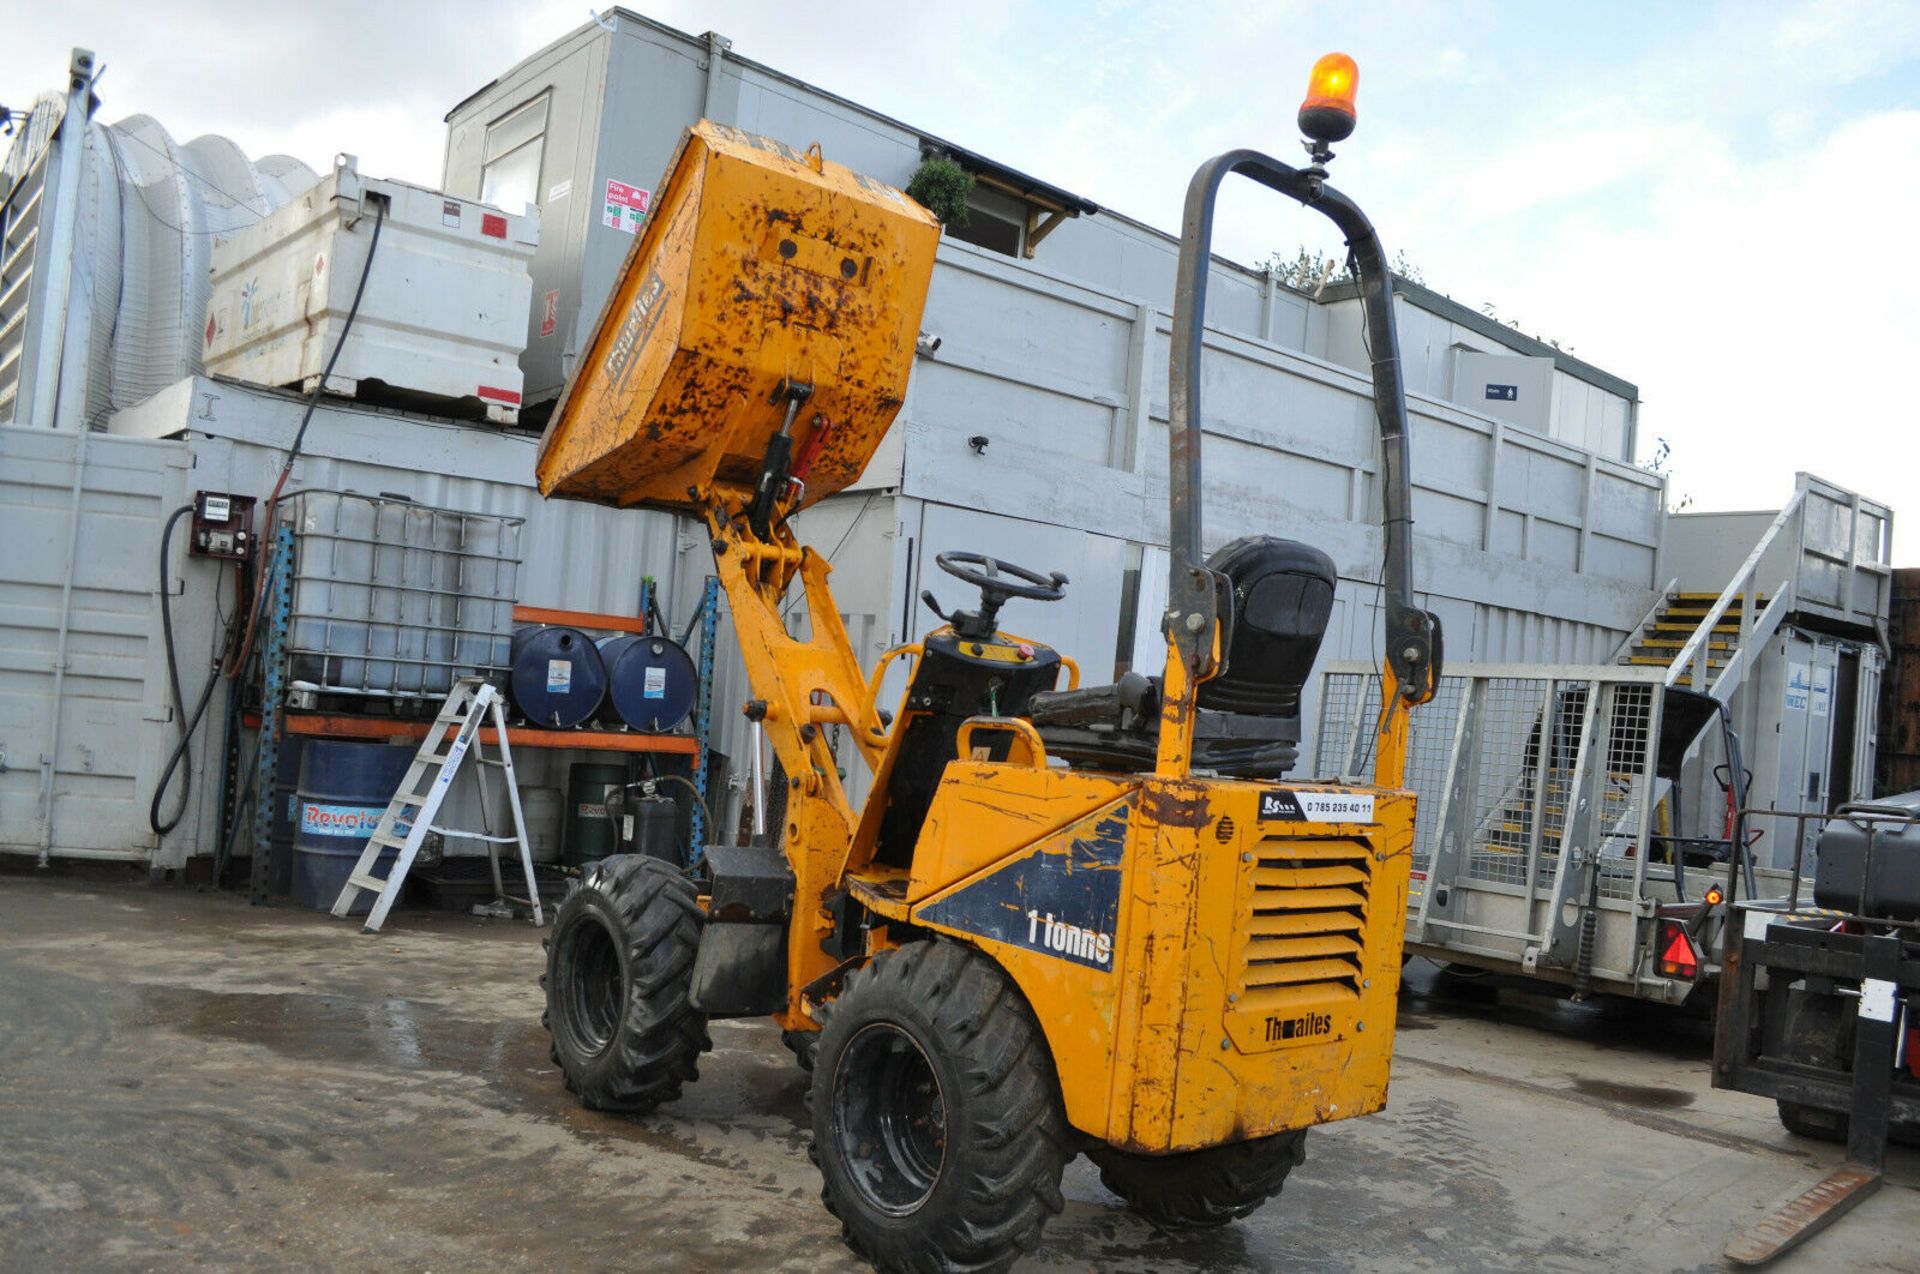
x=471, y=704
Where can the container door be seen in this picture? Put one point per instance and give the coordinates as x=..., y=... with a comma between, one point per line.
x=1842, y=768
x=1796, y=710
x=1820, y=719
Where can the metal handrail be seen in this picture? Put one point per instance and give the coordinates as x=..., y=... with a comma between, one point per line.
x=1697, y=647
x=1660, y=601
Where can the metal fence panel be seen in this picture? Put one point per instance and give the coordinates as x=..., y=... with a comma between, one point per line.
x=1516, y=767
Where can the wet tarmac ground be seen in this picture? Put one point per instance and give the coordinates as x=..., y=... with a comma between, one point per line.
x=188, y=1081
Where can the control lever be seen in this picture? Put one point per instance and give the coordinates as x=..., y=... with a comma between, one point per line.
x=933, y=604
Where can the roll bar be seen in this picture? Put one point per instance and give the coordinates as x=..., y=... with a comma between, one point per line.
x=1413, y=644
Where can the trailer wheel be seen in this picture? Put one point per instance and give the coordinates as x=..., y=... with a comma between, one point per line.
x=1199, y=1188
x=620, y=959
x=937, y=1123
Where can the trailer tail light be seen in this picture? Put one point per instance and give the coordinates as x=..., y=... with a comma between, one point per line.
x=1679, y=956
x=1913, y=1049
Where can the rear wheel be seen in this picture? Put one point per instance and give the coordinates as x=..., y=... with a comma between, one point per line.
x=937, y=1122
x=1202, y=1187
x=619, y=962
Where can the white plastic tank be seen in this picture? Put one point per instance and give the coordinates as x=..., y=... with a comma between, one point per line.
x=442, y=319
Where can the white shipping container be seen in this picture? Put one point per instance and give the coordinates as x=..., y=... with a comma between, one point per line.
x=444, y=316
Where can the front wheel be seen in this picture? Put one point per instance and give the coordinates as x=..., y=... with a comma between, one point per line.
x=1197, y=1188
x=937, y=1123
x=619, y=967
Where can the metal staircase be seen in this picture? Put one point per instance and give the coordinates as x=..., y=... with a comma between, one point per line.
x=1708, y=642
x=1660, y=642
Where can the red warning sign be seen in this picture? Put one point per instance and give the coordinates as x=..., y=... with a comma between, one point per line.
x=550, y=316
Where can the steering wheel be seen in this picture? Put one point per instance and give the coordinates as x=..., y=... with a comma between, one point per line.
x=992, y=576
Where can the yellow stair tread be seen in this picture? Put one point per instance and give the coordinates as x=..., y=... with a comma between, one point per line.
x=1676, y=643
x=1681, y=626
x=1662, y=661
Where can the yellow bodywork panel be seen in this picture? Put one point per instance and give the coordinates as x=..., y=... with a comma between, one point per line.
x=758, y=265
x=1210, y=959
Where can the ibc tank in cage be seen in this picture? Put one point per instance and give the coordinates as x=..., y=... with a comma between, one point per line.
x=393, y=599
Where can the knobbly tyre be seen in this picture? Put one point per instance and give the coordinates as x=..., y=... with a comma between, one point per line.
x=1065, y=920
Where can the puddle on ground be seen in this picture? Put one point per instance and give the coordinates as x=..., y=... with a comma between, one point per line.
x=1633, y=1094
x=511, y=1056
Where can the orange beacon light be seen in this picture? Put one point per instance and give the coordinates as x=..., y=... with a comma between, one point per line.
x=1327, y=114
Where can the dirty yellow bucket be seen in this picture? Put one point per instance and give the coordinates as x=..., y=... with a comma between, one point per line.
x=760, y=265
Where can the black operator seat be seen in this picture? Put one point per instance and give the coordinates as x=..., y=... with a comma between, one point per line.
x=1248, y=725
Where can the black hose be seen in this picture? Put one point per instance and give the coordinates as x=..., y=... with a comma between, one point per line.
x=259, y=608
x=189, y=722
x=691, y=787
x=233, y=658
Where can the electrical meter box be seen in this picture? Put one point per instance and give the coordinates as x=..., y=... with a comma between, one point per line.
x=222, y=526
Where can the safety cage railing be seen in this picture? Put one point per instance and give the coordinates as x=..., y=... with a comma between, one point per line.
x=1537, y=788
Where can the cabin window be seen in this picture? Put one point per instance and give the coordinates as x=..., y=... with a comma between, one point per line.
x=995, y=220
x=510, y=167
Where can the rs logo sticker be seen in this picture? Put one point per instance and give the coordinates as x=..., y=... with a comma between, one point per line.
x=1283, y=805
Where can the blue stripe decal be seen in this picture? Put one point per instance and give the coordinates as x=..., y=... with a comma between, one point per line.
x=1062, y=898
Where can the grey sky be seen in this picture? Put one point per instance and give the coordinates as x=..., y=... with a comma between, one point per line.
x=1712, y=201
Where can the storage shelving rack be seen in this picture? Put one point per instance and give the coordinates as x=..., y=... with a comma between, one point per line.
x=277, y=718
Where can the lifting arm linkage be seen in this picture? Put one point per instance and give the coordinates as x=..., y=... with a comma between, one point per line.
x=1194, y=592
x=802, y=684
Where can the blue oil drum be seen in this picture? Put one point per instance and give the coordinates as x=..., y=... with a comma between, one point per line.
x=558, y=679
x=651, y=682
x=344, y=789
